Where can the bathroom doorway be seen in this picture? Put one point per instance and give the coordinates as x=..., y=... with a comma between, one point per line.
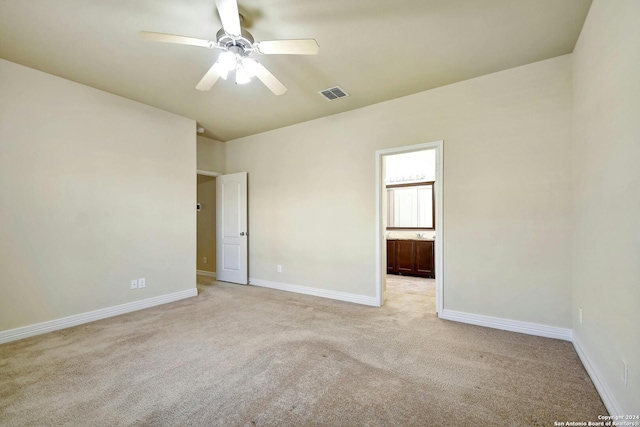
x=409, y=226
x=206, y=224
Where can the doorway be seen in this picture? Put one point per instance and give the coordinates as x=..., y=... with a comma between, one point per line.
x=422, y=238
x=206, y=224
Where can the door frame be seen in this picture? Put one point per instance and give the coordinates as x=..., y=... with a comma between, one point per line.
x=381, y=247
x=207, y=173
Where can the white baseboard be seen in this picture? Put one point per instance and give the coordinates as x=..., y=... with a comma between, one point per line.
x=508, y=325
x=324, y=293
x=598, y=380
x=206, y=273
x=78, y=319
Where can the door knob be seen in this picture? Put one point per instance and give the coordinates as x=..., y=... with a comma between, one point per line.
x=242, y=233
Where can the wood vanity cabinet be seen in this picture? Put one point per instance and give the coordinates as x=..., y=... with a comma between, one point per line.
x=410, y=257
x=391, y=256
x=405, y=257
x=424, y=263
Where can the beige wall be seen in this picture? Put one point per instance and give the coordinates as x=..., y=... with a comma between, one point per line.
x=206, y=236
x=210, y=154
x=506, y=192
x=95, y=190
x=606, y=246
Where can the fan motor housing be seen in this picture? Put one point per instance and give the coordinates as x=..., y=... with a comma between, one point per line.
x=235, y=44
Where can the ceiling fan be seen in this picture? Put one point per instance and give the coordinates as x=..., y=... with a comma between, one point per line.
x=237, y=45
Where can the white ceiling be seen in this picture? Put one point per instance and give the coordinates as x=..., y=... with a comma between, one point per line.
x=376, y=50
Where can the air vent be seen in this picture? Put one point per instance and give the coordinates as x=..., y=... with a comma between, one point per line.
x=333, y=93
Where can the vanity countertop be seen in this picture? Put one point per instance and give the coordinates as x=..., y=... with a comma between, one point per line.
x=418, y=239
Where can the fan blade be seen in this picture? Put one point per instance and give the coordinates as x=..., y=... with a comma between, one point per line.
x=208, y=80
x=288, y=47
x=228, y=11
x=269, y=79
x=170, y=38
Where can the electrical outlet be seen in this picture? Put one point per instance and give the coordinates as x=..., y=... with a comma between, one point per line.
x=204, y=259
x=625, y=373
x=134, y=284
x=580, y=314
x=142, y=283
x=279, y=268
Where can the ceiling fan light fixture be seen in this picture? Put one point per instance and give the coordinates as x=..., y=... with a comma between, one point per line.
x=242, y=77
x=236, y=44
x=227, y=60
x=249, y=66
x=221, y=69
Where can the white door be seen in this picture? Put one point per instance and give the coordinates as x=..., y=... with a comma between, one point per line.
x=231, y=228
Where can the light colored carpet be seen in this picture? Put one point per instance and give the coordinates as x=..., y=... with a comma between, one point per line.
x=411, y=294
x=247, y=356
